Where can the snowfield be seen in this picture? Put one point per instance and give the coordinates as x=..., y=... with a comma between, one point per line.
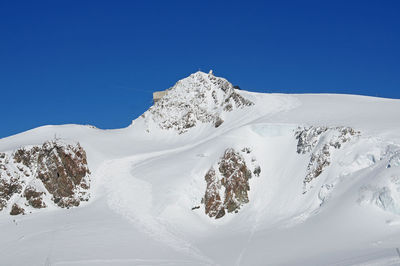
x=328, y=198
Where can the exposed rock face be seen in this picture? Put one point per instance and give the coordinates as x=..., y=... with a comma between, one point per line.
x=8, y=187
x=54, y=170
x=227, y=189
x=10, y=182
x=308, y=138
x=34, y=198
x=320, y=141
x=199, y=98
x=257, y=171
x=16, y=210
x=212, y=199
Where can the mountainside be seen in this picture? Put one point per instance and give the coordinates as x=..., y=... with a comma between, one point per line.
x=209, y=175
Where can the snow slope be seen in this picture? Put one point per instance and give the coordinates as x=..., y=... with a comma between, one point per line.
x=146, y=179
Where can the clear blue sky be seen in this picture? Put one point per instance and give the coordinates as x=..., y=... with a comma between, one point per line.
x=97, y=62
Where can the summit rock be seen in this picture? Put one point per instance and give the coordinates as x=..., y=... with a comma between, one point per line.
x=199, y=98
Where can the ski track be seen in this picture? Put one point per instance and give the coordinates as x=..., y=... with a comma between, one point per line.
x=124, y=190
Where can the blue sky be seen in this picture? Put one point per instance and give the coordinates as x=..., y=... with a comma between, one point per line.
x=97, y=62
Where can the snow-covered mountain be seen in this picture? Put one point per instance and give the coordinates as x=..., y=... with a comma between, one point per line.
x=209, y=175
x=199, y=98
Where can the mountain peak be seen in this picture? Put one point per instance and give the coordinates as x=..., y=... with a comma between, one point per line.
x=198, y=98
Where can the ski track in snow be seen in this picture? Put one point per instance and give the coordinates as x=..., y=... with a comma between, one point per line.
x=124, y=190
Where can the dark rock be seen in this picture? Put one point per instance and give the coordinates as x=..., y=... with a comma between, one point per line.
x=34, y=197
x=246, y=150
x=230, y=183
x=257, y=171
x=212, y=199
x=235, y=179
x=61, y=168
x=7, y=189
x=309, y=138
x=218, y=122
x=16, y=210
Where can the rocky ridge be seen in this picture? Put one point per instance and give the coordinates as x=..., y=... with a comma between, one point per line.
x=320, y=142
x=199, y=98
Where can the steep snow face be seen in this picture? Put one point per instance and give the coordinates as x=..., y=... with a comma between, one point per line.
x=199, y=98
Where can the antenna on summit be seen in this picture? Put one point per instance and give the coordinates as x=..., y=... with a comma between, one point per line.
x=211, y=72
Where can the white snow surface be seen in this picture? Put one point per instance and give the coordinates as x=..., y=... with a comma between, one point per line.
x=145, y=182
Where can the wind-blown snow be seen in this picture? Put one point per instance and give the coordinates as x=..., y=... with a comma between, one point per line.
x=146, y=178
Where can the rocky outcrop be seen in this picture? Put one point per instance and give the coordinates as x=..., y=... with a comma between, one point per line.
x=199, y=98
x=307, y=138
x=320, y=142
x=228, y=186
x=10, y=180
x=34, y=197
x=9, y=187
x=16, y=210
x=62, y=170
x=212, y=198
x=55, y=171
